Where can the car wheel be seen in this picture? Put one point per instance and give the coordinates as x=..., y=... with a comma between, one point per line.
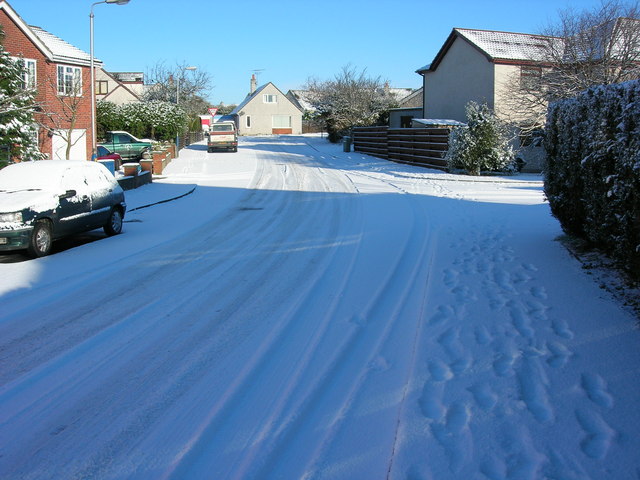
x=41, y=239
x=114, y=224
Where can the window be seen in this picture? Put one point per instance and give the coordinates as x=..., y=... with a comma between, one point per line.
x=223, y=127
x=248, y=121
x=120, y=138
x=530, y=76
x=267, y=98
x=281, y=121
x=102, y=87
x=29, y=75
x=69, y=80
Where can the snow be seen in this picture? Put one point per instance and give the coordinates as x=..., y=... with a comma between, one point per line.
x=302, y=312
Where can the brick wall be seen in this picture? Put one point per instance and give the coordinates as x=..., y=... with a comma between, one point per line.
x=17, y=43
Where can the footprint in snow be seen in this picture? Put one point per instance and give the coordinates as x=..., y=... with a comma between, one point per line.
x=599, y=435
x=596, y=389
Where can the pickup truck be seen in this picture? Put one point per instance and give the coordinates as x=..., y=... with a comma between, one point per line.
x=126, y=145
x=222, y=135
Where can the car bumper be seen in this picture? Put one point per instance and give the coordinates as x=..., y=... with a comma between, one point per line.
x=223, y=144
x=15, y=239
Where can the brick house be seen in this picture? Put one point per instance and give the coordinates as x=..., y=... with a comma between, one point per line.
x=61, y=75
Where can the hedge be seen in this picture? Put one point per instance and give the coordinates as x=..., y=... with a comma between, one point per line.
x=592, y=176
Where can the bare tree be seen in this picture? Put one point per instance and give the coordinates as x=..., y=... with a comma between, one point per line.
x=62, y=121
x=350, y=99
x=179, y=83
x=583, y=49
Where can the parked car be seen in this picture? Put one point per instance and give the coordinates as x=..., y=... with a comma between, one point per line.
x=105, y=154
x=49, y=199
x=126, y=145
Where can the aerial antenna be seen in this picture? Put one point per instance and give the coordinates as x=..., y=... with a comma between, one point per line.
x=257, y=71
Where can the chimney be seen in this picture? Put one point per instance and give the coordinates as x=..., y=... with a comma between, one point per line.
x=253, y=84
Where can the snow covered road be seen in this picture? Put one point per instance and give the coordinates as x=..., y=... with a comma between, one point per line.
x=309, y=313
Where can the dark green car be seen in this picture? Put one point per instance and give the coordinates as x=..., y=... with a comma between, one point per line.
x=126, y=145
x=50, y=199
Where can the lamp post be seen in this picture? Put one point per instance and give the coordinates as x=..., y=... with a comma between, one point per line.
x=93, y=75
x=178, y=100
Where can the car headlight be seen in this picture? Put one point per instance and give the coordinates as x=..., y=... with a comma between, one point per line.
x=15, y=217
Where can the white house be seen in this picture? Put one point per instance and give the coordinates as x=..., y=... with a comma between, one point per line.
x=267, y=111
x=477, y=65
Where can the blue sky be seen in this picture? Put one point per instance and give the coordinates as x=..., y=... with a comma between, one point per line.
x=289, y=40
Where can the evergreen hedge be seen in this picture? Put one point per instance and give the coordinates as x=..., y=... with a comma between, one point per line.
x=592, y=177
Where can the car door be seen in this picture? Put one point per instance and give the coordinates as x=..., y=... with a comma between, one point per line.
x=101, y=190
x=125, y=144
x=74, y=203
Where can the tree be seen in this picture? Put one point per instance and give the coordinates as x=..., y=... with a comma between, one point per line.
x=583, y=49
x=61, y=122
x=350, y=99
x=179, y=84
x=482, y=145
x=18, y=131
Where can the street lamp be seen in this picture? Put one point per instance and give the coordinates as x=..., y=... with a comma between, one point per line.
x=93, y=76
x=178, y=99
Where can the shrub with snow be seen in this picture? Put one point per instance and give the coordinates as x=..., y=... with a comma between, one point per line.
x=482, y=145
x=155, y=119
x=592, y=178
x=18, y=129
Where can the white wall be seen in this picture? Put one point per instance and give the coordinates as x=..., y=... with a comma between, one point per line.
x=262, y=113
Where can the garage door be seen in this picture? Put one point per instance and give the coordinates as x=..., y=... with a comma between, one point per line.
x=78, y=145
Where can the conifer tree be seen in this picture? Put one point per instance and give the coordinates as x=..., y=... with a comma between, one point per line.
x=18, y=128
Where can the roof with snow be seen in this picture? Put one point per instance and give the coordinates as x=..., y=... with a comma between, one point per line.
x=507, y=45
x=62, y=51
x=248, y=98
x=303, y=99
x=497, y=46
x=253, y=95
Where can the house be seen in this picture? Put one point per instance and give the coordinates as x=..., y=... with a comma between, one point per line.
x=477, y=65
x=119, y=87
x=61, y=75
x=267, y=111
x=409, y=107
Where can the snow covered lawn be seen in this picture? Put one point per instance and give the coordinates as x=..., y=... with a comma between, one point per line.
x=301, y=312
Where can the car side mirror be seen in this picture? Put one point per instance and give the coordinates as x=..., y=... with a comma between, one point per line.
x=68, y=194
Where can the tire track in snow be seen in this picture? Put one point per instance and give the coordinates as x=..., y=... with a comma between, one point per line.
x=145, y=414
x=267, y=364
x=355, y=360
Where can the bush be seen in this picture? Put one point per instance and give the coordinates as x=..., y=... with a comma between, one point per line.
x=155, y=119
x=482, y=145
x=592, y=177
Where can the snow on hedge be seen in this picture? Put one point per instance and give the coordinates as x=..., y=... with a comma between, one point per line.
x=592, y=179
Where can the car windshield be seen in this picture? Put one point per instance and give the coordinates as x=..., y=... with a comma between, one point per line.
x=222, y=128
x=25, y=177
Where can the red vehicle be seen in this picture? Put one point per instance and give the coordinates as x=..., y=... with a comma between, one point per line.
x=105, y=154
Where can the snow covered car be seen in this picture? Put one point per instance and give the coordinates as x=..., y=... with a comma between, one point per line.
x=49, y=199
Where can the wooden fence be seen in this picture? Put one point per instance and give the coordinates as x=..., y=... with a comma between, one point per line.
x=420, y=146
